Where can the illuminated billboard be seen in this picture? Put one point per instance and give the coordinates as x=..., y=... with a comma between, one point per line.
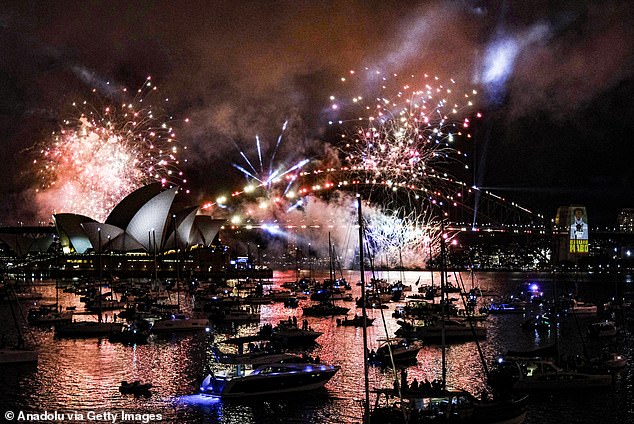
x=578, y=224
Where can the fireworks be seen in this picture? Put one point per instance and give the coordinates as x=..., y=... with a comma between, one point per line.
x=396, y=151
x=405, y=135
x=265, y=175
x=400, y=236
x=105, y=153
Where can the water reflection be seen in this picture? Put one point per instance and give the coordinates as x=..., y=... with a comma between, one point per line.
x=86, y=373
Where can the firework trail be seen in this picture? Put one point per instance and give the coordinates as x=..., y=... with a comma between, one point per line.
x=274, y=173
x=104, y=154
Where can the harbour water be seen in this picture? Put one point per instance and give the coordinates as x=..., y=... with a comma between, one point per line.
x=83, y=375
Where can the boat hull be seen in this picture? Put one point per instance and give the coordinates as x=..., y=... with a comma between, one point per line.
x=178, y=325
x=309, y=377
x=17, y=356
x=88, y=329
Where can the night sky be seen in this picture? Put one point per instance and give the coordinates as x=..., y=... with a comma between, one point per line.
x=555, y=79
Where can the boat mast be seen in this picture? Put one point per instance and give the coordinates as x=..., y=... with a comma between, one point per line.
x=431, y=269
x=400, y=260
x=330, y=264
x=443, y=301
x=178, y=289
x=99, y=318
x=366, y=404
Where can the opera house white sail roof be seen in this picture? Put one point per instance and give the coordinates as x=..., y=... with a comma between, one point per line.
x=144, y=221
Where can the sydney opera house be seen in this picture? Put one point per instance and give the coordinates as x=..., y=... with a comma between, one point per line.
x=144, y=234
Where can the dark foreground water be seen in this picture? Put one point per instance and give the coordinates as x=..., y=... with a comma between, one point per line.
x=81, y=377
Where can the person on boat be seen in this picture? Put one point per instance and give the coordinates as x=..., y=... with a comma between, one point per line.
x=404, y=384
x=426, y=386
x=414, y=386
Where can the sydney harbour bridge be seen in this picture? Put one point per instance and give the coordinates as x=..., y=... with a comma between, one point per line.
x=491, y=232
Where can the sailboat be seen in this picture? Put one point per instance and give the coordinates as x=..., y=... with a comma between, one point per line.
x=326, y=307
x=435, y=402
x=91, y=328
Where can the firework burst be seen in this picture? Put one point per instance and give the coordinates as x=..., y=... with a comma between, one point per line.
x=265, y=173
x=405, y=237
x=405, y=134
x=105, y=153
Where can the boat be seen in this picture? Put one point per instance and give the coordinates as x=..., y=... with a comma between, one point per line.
x=517, y=307
x=257, y=355
x=137, y=332
x=45, y=315
x=267, y=379
x=571, y=305
x=540, y=374
x=20, y=353
x=88, y=329
x=602, y=329
x=179, y=323
x=135, y=388
x=455, y=330
x=324, y=309
x=401, y=351
x=357, y=321
x=235, y=314
x=288, y=333
x=291, y=302
x=538, y=322
x=436, y=405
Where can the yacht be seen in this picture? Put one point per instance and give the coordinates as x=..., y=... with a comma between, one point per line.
x=289, y=334
x=400, y=350
x=529, y=374
x=430, y=405
x=88, y=329
x=268, y=379
x=455, y=330
x=45, y=315
x=602, y=329
x=179, y=322
x=253, y=357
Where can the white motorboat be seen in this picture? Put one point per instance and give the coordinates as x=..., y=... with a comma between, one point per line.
x=268, y=379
